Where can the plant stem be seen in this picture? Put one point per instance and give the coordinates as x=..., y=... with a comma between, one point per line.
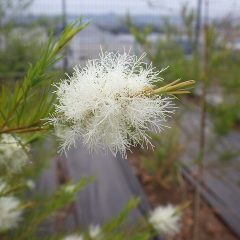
x=202, y=137
x=26, y=129
x=175, y=87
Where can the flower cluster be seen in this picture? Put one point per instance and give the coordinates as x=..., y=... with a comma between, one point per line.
x=106, y=104
x=12, y=155
x=10, y=215
x=166, y=220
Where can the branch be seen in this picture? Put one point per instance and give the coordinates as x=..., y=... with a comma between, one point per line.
x=26, y=129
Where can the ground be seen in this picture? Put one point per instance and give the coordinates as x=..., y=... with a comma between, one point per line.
x=211, y=227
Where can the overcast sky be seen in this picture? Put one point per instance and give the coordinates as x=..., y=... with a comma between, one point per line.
x=218, y=8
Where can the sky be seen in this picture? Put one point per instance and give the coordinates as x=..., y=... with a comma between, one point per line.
x=218, y=8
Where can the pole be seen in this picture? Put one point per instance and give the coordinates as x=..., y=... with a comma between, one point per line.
x=198, y=25
x=64, y=24
x=202, y=137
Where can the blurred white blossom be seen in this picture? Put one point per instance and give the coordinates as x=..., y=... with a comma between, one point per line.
x=94, y=232
x=30, y=184
x=9, y=214
x=12, y=156
x=106, y=106
x=70, y=188
x=3, y=186
x=73, y=237
x=166, y=220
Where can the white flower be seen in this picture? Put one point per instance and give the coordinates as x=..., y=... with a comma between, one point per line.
x=73, y=237
x=94, y=231
x=3, y=186
x=12, y=155
x=105, y=104
x=9, y=215
x=166, y=220
x=30, y=184
x=70, y=188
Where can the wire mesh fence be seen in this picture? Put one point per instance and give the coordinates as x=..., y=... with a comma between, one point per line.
x=31, y=26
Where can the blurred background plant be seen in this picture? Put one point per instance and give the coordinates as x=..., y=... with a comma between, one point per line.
x=163, y=164
x=17, y=48
x=20, y=42
x=176, y=48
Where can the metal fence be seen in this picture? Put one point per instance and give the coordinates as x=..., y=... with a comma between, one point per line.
x=88, y=43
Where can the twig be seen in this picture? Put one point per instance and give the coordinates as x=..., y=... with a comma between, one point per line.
x=24, y=129
x=202, y=142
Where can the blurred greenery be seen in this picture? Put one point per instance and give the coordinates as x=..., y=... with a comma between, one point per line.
x=228, y=156
x=21, y=44
x=163, y=164
x=177, y=50
x=17, y=47
x=16, y=56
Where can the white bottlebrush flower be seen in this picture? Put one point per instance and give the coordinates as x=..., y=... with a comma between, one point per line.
x=9, y=214
x=166, y=220
x=106, y=106
x=3, y=186
x=12, y=155
x=30, y=184
x=73, y=237
x=94, y=232
x=69, y=188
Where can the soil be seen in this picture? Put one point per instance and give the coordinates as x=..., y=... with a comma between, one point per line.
x=211, y=227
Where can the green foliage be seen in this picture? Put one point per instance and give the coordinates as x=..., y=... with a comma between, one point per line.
x=43, y=208
x=15, y=57
x=24, y=106
x=225, y=117
x=39, y=209
x=163, y=164
x=19, y=45
x=115, y=230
